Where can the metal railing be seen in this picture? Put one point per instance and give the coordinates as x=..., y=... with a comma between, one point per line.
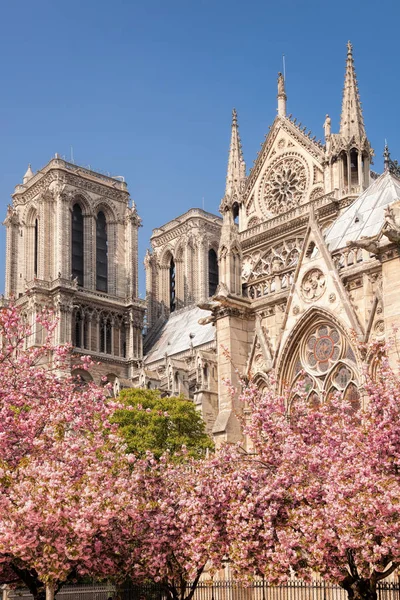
x=216, y=590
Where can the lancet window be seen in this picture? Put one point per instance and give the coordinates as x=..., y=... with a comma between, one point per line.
x=101, y=253
x=36, y=247
x=77, y=244
x=172, y=286
x=212, y=272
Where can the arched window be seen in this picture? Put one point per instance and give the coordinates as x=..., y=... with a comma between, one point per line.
x=212, y=272
x=172, y=286
x=105, y=335
x=78, y=330
x=35, y=260
x=101, y=253
x=77, y=244
x=323, y=361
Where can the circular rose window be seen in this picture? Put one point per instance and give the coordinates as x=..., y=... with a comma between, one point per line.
x=322, y=348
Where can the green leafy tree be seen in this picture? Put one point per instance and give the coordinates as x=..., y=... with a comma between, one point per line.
x=157, y=424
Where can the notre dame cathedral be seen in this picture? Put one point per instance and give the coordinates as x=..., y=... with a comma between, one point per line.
x=300, y=269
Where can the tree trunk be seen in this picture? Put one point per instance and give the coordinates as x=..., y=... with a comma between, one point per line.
x=50, y=589
x=360, y=589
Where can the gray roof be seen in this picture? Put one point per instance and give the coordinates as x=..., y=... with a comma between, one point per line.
x=174, y=337
x=365, y=217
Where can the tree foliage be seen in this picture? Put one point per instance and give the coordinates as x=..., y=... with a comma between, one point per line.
x=151, y=423
x=63, y=471
x=320, y=492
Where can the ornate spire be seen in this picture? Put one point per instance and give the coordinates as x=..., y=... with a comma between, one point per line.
x=28, y=174
x=236, y=174
x=351, y=119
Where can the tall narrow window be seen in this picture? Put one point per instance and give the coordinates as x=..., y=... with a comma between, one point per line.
x=77, y=244
x=101, y=253
x=172, y=283
x=212, y=272
x=78, y=330
x=35, y=260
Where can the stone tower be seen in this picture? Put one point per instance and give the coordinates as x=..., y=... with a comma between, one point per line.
x=72, y=245
x=181, y=269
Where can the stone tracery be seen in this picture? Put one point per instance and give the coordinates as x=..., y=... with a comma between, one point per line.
x=323, y=364
x=284, y=185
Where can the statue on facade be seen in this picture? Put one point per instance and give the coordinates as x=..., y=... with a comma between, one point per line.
x=281, y=85
x=327, y=126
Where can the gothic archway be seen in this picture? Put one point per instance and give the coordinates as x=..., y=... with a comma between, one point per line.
x=321, y=354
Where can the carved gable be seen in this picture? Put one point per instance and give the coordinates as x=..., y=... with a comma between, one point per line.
x=287, y=173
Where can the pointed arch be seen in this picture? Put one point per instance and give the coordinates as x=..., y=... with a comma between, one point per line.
x=318, y=345
x=77, y=243
x=101, y=253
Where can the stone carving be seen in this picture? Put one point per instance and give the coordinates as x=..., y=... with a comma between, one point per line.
x=313, y=285
x=327, y=126
x=332, y=297
x=296, y=310
x=285, y=183
x=379, y=327
x=278, y=258
x=281, y=85
x=281, y=144
x=316, y=193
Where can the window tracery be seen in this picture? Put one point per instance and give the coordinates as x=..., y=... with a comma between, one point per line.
x=323, y=364
x=284, y=185
x=278, y=258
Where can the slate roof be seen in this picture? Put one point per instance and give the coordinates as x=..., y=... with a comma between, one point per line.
x=174, y=336
x=365, y=217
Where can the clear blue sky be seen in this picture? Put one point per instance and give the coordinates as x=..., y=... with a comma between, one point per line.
x=145, y=89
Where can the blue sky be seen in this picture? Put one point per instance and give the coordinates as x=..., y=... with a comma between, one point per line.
x=145, y=89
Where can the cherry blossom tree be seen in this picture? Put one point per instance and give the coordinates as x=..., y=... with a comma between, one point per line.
x=320, y=491
x=175, y=523
x=63, y=470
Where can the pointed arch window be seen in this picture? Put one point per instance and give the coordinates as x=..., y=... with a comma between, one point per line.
x=101, y=253
x=212, y=272
x=324, y=361
x=36, y=246
x=172, y=286
x=77, y=244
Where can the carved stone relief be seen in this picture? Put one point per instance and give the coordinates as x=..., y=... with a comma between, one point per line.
x=313, y=285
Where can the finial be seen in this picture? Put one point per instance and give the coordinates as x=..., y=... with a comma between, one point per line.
x=234, y=117
x=349, y=48
x=386, y=157
x=28, y=174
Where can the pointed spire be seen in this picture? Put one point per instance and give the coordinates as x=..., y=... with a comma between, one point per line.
x=351, y=119
x=236, y=174
x=28, y=175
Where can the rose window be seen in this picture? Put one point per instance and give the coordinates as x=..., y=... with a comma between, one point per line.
x=285, y=185
x=323, y=348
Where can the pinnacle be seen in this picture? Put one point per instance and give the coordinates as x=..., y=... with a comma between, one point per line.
x=351, y=120
x=236, y=165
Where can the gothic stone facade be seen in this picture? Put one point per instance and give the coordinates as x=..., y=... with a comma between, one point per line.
x=308, y=261
x=72, y=246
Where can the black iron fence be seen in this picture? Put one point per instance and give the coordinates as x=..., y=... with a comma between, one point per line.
x=216, y=590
